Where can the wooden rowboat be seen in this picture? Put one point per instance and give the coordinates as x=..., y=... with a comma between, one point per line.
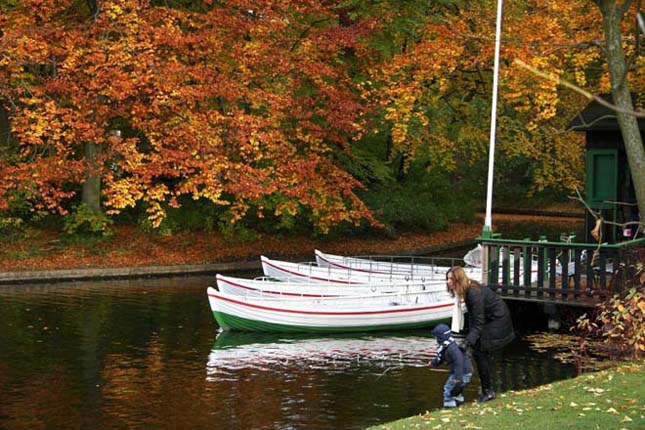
x=413, y=269
x=266, y=288
x=356, y=265
x=310, y=273
x=330, y=314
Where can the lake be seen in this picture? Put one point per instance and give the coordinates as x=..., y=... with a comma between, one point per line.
x=147, y=354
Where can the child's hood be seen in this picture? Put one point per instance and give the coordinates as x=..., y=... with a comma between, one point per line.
x=442, y=332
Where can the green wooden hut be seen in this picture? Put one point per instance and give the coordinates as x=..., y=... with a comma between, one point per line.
x=608, y=186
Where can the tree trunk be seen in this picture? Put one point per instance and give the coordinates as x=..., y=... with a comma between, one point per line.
x=5, y=128
x=612, y=15
x=92, y=186
x=91, y=194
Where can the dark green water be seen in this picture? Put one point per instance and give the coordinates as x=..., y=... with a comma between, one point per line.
x=146, y=354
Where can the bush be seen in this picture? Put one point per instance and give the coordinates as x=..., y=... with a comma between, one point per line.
x=83, y=221
x=618, y=323
x=426, y=203
x=11, y=228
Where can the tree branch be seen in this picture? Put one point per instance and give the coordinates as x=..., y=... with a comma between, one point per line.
x=639, y=113
x=624, y=8
x=598, y=215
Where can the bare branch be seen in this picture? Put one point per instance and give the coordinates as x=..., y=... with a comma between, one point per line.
x=579, y=198
x=598, y=215
x=588, y=95
x=585, y=124
x=624, y=8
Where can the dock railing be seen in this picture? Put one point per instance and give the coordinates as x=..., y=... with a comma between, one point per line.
x=562, y=271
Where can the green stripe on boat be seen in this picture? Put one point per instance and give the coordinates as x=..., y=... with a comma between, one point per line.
x=232, y=322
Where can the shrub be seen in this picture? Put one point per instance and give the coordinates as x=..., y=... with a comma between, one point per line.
x=11, y=228
x=618, y=323
x=83, y=221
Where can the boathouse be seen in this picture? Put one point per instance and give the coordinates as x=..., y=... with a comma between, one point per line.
x=579, y=273
x=609, y=189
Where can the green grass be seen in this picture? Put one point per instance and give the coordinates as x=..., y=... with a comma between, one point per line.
x=609, y=399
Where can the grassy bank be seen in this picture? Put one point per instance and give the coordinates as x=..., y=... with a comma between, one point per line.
x=609, y=399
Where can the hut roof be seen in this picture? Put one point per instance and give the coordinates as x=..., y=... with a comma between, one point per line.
x=598, y=117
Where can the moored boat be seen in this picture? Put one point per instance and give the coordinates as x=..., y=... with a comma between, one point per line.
x=310, y=272
x=330, y=314
x=359, y=266
x=266, y=288
x=414, y=268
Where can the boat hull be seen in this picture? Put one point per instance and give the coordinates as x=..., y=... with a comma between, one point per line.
x=325, y=316
x=432, y=272
x=230, y=322
x=267, y=288
x=296, y=272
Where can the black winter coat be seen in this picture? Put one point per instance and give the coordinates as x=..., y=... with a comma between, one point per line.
x=490, y=324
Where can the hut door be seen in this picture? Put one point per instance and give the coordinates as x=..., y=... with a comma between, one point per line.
x=602, y=188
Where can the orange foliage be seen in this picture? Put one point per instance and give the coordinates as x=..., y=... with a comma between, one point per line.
x=231, y=105
x=436, y=93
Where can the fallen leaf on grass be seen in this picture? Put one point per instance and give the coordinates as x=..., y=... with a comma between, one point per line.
x=595, y=391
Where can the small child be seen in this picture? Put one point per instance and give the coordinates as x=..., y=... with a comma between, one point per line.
x=461, y=369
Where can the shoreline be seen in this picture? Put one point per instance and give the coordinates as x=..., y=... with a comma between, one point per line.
x=163, y=257
x=133, y=272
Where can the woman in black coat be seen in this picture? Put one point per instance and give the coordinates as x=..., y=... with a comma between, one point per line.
x=490, y=325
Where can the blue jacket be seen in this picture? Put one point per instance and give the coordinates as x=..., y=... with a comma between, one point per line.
x=450, y=353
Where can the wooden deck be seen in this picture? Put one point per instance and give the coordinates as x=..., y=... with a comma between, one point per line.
x=574, y=274
x=582, y=297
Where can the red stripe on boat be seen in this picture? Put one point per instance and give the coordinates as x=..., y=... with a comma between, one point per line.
x=292, y=311
x=281, y=269
x=278, y=293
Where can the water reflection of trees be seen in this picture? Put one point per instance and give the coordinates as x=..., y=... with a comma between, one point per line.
x=126, y=354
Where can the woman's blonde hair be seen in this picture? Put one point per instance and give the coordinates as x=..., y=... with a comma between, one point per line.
x=462, y=283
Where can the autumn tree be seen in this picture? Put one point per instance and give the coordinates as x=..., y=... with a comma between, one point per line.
x=236, y=103
x=435, y=93
x=617, y=18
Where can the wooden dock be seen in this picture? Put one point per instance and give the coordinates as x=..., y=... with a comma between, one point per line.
x=561, y=273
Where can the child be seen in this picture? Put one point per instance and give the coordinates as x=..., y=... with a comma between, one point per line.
x=461, y=369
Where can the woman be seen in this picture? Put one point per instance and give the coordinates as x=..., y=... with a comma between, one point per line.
x=490, y=325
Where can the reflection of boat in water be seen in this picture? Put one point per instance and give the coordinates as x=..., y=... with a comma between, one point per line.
x=233, y=351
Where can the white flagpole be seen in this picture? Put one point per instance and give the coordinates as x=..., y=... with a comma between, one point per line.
x=488, y=219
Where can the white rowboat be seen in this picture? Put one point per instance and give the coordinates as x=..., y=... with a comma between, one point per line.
x=330, y=314
x=266, y=288
x=366, y=265
x=414, y=271
x=310, y=273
